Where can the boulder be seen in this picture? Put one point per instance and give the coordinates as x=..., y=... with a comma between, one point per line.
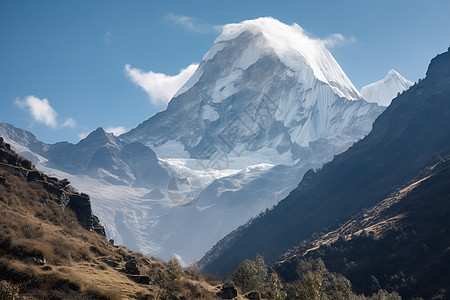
x=131, y=267
x=228, y=291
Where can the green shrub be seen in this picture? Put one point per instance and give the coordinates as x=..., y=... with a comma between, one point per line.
x=174, y=269
x=274, y=289
x=251, y=275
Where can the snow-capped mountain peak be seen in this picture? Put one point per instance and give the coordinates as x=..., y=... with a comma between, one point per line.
x=280, y=88
x=384, y=90
x=291, y=44
x=100, y=136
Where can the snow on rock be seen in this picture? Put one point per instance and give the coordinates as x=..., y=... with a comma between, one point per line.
x=383, y=91
x=209, y=113
x=293, y=46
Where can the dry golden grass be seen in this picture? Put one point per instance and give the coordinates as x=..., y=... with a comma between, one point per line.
x=78, y=264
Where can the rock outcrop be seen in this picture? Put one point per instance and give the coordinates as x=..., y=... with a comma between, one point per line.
x=60, y=189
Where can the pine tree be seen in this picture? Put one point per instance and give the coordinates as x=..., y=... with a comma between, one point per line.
x=174, y=269
x=251, y=275
x=274, y=289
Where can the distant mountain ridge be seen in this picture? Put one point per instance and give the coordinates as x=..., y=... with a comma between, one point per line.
x=410, y=135
x=100, y=154
x=384, y=90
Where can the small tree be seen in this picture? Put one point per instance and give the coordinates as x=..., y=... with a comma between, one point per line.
x=174, y=269
x=250, y=275
x=274, y=289
x=309, y=285
x=336, y=286
x=261, y=272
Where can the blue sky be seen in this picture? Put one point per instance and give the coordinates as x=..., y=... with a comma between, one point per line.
x=63, y=63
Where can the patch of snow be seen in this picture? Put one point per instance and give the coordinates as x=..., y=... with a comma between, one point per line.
x=209, y=113
x=171, y=149
x=224, y=87
x=191, y=81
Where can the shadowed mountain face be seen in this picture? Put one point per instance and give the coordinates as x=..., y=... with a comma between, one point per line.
x=400, y=244
x=412, y=134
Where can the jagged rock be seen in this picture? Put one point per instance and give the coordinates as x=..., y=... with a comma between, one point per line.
x=34, y=176
x=253, y=295
x=27, y=164
x=228, y=291
x=132, y=267
x=64, y=182
x=97, y=227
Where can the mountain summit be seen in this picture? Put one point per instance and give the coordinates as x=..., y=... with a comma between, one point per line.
x=269, y=81
x=268, y=36
x=383, y=91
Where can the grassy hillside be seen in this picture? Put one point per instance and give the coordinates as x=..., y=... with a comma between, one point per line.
x=51, y=247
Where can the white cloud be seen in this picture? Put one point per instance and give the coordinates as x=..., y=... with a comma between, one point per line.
x=160, y=87
x=338, y=39
x=70, y=123
x=116, y=130
x=192, y=24
x=107, y=37
x=40, y=110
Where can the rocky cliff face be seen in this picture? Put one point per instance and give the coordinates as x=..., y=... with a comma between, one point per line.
x=59, y=190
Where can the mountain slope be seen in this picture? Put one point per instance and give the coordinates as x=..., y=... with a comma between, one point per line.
x=406, y=237
x=410, y=135
x=383, y=91
x=50, y=247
